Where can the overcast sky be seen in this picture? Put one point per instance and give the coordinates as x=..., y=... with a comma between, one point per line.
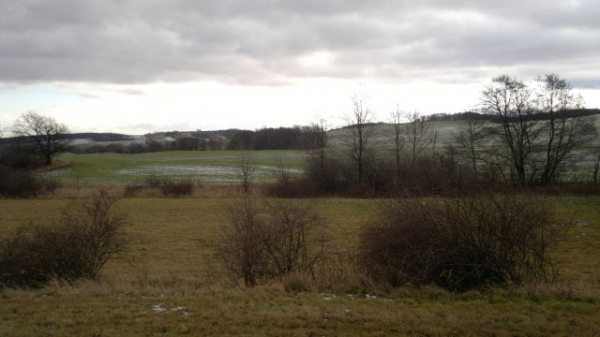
x=146, y=65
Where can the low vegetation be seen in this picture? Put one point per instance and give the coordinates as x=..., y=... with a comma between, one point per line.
x=271, y=241
x=170, y=282
x=74, y=246
x=460, y=243
x=168, y=187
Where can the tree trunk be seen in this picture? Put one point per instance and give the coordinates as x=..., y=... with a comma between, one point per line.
x=596, y=169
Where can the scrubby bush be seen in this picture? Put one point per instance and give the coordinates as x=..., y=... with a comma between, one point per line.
x=177, y=188
x=288, y=237
x=154, y=181
x=51, y=185
x=19, y=184
x=439, y=174
x=21, y=156
x=168, y=187
x=74, y=246
x=459, y=243
x=131, y=190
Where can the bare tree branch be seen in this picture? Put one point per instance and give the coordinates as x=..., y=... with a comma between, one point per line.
x=360, y=124
x=44, y=131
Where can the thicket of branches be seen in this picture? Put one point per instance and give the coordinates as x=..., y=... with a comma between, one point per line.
x=271, y=240
x=74, y=246
x=459, y=243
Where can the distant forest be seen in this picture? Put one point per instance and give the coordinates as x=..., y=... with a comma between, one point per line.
x=540, y=116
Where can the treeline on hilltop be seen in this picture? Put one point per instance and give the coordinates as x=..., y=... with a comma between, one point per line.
x=99, y=137
x=294, y=138
x=540, y=115
x=282, y=138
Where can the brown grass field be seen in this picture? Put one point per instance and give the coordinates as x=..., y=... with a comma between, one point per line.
x=167, y=283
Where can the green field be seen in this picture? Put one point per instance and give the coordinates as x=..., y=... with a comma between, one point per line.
x=220, y=167
x=170, y=266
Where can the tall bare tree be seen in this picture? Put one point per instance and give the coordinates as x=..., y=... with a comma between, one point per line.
x=1, y=146
x=360, y=125
x=555, y=98
x=596, y=169
x=419, y=135
x=319, y=130
x=511, y=104
x=45, y=132
x=469, y=140
x=396, y=118
x=246, y=169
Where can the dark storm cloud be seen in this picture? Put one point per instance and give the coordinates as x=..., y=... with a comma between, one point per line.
x=265, y=42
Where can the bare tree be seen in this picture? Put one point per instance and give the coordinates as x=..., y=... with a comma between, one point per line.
x=396, y=118
x=420, y=135
x=360, y=125
x=597, y=169
x=555, y=97
x=283, y=170
x=469, y=140
x=1, y=145
x=319, y=130
x=511, y=103
x=246, y=170
x=45, y=132
x=434, y=141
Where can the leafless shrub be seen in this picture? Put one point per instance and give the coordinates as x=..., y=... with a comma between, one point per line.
x=290, y=188
x=289, y=237
x=240, y=241
x=74, y=246
x=52, y=185
x=459, y=243
x=168, y=187
x=177, y=188
x=154, y=181
x=133, y=189
x=20, y=184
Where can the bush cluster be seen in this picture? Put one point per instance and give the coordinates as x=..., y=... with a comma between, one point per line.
x=24, y=184
x=459, y=243
x=74, y=246
x=333, y=176
x=168, y=187
x=289, y=237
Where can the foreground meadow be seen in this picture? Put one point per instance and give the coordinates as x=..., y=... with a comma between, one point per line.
x=169, y=283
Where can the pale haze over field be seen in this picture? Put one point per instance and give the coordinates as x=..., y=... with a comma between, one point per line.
x=142, y=66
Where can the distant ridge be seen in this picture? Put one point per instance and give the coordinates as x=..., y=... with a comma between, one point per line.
x=469, y=115
x=99, y=137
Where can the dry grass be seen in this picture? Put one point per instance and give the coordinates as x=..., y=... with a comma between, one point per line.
x=95, y=310
x=169, y=264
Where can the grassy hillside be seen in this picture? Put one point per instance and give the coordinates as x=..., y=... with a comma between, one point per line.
x=383, y=133
x=214, y=167
x=167, y=283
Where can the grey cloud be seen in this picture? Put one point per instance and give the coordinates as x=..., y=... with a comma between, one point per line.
x=261, y=42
